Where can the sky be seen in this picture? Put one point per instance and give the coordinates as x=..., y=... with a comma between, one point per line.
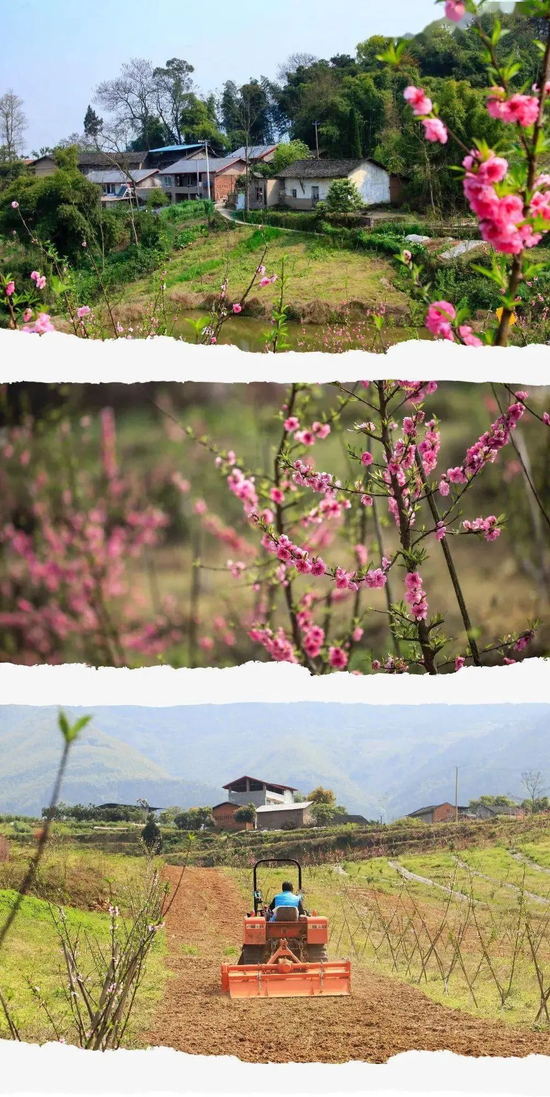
x=53, y=54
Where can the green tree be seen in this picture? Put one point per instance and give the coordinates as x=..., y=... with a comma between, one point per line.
x=151, y=836
x=194, y=818
x=322, y=813
x=199, y=122
x=343, y=197
x=353, y=146
x=156, y=198
x=322, y=795
x=172, y=84
x=287, y=152
x=536, y=805
x=92, y=123
x=245, y=814
x=62, y=208
x=492, y=801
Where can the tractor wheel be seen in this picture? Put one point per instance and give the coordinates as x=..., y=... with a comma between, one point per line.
x=252, y=954
x=317, y=954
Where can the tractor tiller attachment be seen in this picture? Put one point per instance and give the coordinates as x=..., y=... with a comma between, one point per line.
x=285, y=976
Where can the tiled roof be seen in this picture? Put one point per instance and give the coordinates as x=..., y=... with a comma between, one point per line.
x=119, y=176
x=183, y=167
x=255, y=152
x=320, y=169
x=260, y=781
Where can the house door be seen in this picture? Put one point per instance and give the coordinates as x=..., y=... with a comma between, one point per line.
x=315, y=195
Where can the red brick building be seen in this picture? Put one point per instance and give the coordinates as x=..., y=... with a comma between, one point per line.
x=437, y=813
x=224, y=817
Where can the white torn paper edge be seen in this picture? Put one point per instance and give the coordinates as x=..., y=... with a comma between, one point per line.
x=75, y=684
x=56, y=1069
x=57, y=356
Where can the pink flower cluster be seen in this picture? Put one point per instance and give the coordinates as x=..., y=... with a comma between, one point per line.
x=306, y=476
x=440, y=319
x=292, y=555
x=277, y=644
x=416, y=596
x=487, y=447
x=434, y=129
x=309, y=435
x=455, y=9
x=244, y=489
x=504, y=221
x=38, y=279
x=522, y=110
x=487, y=526
x=40, y=326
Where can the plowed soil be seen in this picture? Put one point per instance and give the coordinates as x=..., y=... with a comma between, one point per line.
x=381, y=1017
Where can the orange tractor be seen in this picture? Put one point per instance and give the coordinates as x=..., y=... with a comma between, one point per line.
x=284, y=953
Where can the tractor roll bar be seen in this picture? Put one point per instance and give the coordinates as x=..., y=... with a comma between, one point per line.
x=273, y=861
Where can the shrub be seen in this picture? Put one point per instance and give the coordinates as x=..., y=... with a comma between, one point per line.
x=343, y=197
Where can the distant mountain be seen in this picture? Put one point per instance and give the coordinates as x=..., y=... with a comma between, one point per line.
x=383, y=759
x=101, y=767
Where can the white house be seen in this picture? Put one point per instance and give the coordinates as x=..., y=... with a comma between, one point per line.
x=306, y=182
x=252, y=790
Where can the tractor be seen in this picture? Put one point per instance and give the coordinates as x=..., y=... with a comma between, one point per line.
x=284, y=953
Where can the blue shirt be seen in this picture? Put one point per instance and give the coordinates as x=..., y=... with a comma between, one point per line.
x=287, y=899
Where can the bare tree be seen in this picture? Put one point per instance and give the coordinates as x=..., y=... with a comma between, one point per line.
x=533, y=783
x=13, y=124
x=130, y=98
x=294, y=62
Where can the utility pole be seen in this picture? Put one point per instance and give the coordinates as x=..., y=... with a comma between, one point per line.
x=207, y=170
x=456, y=794
x=316, y=124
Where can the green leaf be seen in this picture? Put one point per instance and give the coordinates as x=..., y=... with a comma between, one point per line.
x=81, y=723
x=64, y=726
x=70, y=731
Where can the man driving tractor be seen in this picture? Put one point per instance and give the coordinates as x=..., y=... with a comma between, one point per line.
x=286, y=898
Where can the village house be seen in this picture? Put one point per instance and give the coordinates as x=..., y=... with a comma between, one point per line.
x=190, y=179
x=168, y=154
x=276, y=816
x=306, y=182
x=118, y=186
x=90, y=161
x=224, y=817
x=445, y=813
x=257, y=154
x=491, y=811
x=437, y=813
x=252, y=790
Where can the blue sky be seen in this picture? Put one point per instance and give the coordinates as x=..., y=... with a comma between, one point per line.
x=54, y=53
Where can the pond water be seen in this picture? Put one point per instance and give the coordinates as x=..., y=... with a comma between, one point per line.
x=249, y=334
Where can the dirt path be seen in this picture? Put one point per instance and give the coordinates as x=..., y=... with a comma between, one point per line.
x=381, y=1017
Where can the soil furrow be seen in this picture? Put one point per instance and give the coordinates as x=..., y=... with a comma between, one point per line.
x=381, y=1017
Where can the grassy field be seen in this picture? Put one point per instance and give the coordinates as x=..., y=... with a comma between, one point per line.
x=82, y=883
x=322, y=277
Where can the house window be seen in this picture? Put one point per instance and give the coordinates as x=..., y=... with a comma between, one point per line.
x=294, y=193
x=167, y=181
